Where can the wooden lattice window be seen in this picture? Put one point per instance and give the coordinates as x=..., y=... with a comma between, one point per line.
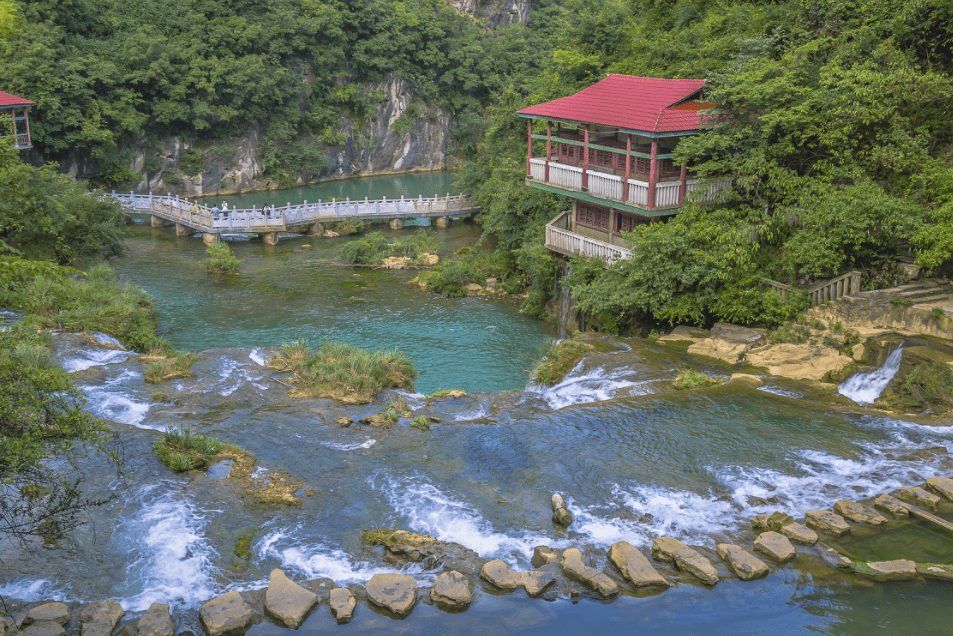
x=592, y=215
x=627, y=222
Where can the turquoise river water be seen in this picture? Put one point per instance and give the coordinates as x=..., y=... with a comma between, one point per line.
x=633, y=460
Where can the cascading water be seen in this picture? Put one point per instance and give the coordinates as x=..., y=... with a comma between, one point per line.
x=564, y=301
x=864, y=388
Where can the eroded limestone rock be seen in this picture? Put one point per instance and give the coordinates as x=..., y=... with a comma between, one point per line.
x=727, y=342
x=226, y=615
x=535, y=582
x=543, y=555
x=919, y=496
x=898, y=570
x=826, y=521
x=342, y=604
x=99, y=619
x=394, y=592
x=576, y=569
x=858, y=512
x=55, y=612
x=498, y=573
x=685, y=558
x=891, y=505
x=942, y=486
x=286, y=601
x=634, y=566
x=799, y=361
x=775, y=545
x=156, y=621
x=745, y=565
x=561, y=511
x=799, y=533
x=451, y=590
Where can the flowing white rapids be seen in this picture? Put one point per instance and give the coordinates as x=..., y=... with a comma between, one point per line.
x=864, y=388
x=585, y=387
x=113, y=401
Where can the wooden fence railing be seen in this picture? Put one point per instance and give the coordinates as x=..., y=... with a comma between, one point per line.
x=829, y=290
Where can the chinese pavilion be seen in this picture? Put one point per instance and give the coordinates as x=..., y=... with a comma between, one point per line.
x=9, y=106
x=611, y=151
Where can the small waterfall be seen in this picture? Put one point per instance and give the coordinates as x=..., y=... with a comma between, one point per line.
x=864, y=388
x=564, y=302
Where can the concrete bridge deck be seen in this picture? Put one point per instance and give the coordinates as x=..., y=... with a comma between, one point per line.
x=190, y=217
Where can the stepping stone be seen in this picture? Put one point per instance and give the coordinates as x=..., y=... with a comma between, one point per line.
x=942, y=486
x=899, y=570
x=685, y=558
x=286, y=601
x=917, y=495
x=394, y=592
x=745, y=565
x=891, y=505
x=561, y=513
x=634, y=566
x=799, y=533
x=576, y=569
x=99, y=619
x=858, y=513
x=500, y=575
x=777, y=520
x=775, y=545
x=156, y=622
x=342, y=604
x=826, y=521
x=535, y=582
x=451, y=590
x=543, y=555
x=226, y=615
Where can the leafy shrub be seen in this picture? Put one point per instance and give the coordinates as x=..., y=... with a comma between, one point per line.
x=180, y=450
x=421, y=423
x=221, y=260
x=937, y=313
x=451, y=277
x=928, y=385
x=788, y=332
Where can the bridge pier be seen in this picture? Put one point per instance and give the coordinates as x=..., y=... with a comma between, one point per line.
x=268, y=238
x=208, y=238
x=442, y=221
x=316, y=229
x=396, y=224
x=183, y=230
x=157, y=221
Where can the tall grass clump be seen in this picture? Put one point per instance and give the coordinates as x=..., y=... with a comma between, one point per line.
x=221, y=260
x=689, y=379
x=178, y=366
x=342, y=371
x=559, y=359
x=375, y=247
x=180, y=450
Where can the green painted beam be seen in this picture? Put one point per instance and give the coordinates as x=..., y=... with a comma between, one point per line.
x=585, y=196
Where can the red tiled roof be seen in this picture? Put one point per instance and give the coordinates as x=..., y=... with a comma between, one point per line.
x=636, y=103
x=6, y=99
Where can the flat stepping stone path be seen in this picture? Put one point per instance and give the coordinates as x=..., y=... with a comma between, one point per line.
x=826, y=521
x=775, y=545
x=286, y=601
x=799, y=533
x=451, y=589
x=858, y=513
x=918, y=495
x=898, y=570
x=575, y=568
x=499, y=574
x=745, y=565
x=891, y=505
x=942, y=486
x=396, y=593
x=686, y=559
x=342, y=604
x=156, y=621
x=535, y=582
x=226, y=615
x=634, y=566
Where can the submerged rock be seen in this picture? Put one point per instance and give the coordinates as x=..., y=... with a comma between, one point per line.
x=685, y=558
x=918, y=495
x=634, y=566
x=576, y=569
x=451, y=590
x=561, y=513
x=342, y=604
x=156, y=622
x=898, y=570
x=775, y=545
x=344, y=422
x=745, y=565
x=99, y=619
x=226, y=615
x=832, y=557
x=826, y=521
x=410, y=546
x=858, y=512
x=286, y=601
x=936, y=571
x=396, y=593
x=942, y=486
x=891, y=505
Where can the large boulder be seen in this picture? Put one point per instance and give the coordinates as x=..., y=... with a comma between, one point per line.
x=535, y=582
x=342, y=604
x=451, y=590
x=775, y=545
x=561, y=511
x=727, y=342
x=827, y=521
x=226, y=615
x=799, y=361
x=286, y=601
x=686, y=559
x=394, y=592
x=100, y=618
x=891, y=505
x=745, y=565
x=919, y=496
x=499, y=574
x=634, y=566
x=55, y=612
x=858, y=512
x=942, y=486
x=576, y=569
x=156, y=621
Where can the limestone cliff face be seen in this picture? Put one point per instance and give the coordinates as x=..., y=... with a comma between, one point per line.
x=494, y=13
x=371, y=148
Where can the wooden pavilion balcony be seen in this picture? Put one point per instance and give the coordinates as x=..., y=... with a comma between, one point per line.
x=560, y=238
x=669, y=194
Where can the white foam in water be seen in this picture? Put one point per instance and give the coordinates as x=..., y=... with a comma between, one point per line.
x=349, y=447
x=87, y=359
x=596, y=385
x=776, y=390
x=679, y=514
x=110, y=402
x=315, y=560
x=473, y=414
x=864, y=388
x=170, y=558
x=258, y=358
x=31, y=591
x=430, y=511
x=104, y=339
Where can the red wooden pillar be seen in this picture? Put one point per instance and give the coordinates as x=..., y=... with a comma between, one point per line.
x=585, y=159
x=684, y=185
x=13, y=122
x=26, y=119
x=628, y=167
x=549, y=149
x=529, y=149
x=653, y=174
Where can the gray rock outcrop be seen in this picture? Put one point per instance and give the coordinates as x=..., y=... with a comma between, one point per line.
x=858, y=512
x=775, y=545
x=396, y=593
x=286, y=601
x=561, y=511
x=674, y=551
x=226, y=615
x=635, y=568
x=55, y=612
x=942, y=486
x=745, y=565
x=451, y=590
x=576, y=569
x=99, y=619
x=919, y=496
x=891, y=505
x=342, y=604
x=156, y=621
x=826, y=521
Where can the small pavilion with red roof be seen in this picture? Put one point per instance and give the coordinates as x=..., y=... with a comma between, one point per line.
x=611, y=150
x=9, y=105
